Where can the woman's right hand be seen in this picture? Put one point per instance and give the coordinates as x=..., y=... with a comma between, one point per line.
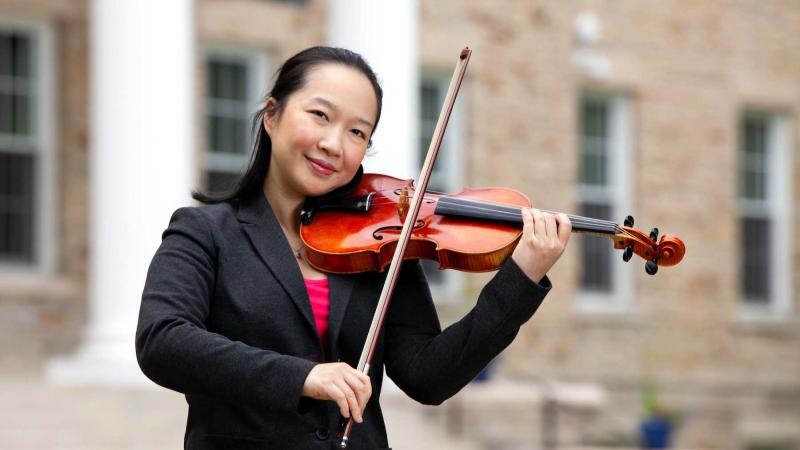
x=348, y=387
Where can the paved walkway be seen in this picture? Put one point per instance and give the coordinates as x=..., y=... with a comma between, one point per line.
x=36, y=415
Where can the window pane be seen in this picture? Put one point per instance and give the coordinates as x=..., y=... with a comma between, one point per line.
x=429, y=103
x=753, y=158
x=596, y=253
x=22, y=122
x=215, y=79
x=227, y=80
x=594, y=142
x=213, y=131
x=6, y=55
x=593, y=169
x=429, y=107
x=212, y=70
x=15, y=97
x=594, y=121
x=431, y=97
x=238, y=131
x=228, y=120
x=21, y=49
x=6, y=113
x=16, y=207
x=755, y=262
x=227, y=135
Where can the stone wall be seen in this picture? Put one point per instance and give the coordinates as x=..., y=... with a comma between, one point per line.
x=689, y=69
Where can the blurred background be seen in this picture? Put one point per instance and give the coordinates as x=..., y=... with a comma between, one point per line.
x=681, y=113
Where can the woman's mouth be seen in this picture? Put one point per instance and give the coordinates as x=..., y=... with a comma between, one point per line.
x=320, y=166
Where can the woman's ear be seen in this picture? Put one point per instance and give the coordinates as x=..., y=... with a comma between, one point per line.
x=270, y=115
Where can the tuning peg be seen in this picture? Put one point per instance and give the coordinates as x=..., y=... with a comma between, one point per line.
x=654, y=234
x=628, y=221
x=651, y=266
x=627, y=253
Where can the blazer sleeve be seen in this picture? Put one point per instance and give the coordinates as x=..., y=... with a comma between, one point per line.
x=431, y=365
x=173, y=346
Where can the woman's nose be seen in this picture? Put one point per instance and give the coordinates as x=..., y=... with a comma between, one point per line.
x=331, y=142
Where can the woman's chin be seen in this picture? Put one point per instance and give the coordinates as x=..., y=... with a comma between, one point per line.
x=316, y=187
x=319, y=189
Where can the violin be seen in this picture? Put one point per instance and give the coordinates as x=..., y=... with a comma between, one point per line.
x=473, y=231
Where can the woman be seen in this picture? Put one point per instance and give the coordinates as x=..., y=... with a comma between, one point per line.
x=264, y=345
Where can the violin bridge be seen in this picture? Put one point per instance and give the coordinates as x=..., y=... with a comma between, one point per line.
x=403, y=204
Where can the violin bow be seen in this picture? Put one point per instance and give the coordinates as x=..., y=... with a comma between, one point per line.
x=393, y=270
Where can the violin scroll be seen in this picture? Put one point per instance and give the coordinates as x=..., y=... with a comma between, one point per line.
x=666, y=251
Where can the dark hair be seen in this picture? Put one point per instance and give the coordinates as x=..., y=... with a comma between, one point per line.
x=291, y=77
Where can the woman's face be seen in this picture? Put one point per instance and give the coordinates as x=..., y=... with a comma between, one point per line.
x=321, y=135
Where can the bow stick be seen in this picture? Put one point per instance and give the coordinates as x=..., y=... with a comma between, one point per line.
x=405, y=235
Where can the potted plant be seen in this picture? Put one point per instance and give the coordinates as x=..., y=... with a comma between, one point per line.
x=657, y=426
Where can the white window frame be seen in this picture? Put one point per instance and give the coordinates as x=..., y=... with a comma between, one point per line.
x=617, y=194
x=777, y=206
x=257, y=62
x=451, y=155
x=44, y=126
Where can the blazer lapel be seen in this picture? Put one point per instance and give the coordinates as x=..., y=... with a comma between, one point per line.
x=341, y=287
x=264, y=231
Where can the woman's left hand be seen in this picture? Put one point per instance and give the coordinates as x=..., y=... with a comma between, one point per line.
x=544, y=238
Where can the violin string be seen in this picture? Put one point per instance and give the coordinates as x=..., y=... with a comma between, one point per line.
x=592, y=225
x=489, y=203
x=574, y=219
x=579, y=220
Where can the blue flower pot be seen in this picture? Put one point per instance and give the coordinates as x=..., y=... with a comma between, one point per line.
x=655, y=432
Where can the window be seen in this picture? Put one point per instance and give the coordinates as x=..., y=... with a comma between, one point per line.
x=235, y=85
x=25, y=162
x=448, y=172
x=603, y=138
x=764, y=191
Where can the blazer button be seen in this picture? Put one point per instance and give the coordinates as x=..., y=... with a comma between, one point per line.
x=322, y=433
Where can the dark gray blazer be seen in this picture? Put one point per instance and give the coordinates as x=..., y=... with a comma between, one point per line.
x=226, y=320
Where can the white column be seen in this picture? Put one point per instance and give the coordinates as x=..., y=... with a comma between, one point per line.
x=385, y=33
x=142, y=168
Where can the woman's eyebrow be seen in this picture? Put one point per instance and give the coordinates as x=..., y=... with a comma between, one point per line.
x=327, y=103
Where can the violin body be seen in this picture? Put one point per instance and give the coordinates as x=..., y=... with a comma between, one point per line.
x=473, y=231
x=354, y=241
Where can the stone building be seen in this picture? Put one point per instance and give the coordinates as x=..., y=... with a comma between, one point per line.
x=682, y=114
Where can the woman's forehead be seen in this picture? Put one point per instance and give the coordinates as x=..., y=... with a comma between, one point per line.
x=339, y=86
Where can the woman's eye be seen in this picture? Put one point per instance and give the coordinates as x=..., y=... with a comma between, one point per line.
x=319, y=114
x=359, y=133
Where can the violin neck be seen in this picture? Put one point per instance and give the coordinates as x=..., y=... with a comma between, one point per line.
x=475, y=209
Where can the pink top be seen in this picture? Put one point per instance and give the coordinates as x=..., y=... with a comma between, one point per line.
x=319, y=294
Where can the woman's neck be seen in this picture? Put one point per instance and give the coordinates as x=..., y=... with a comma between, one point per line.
x=285, y=203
